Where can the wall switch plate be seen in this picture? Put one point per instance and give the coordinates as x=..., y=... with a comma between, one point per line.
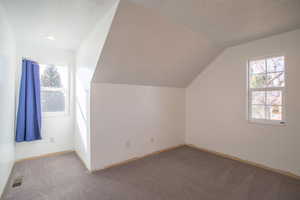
x=128, y=144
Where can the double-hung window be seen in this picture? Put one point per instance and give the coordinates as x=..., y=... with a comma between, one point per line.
x=54, y=89
x=266, y=90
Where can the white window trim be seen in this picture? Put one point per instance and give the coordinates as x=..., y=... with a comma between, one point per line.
x=66, y=91
x=282, y=122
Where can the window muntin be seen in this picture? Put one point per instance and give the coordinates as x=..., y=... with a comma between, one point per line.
x=54, y=89
x=266, y=89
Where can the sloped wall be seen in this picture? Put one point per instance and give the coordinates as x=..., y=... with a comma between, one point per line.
x=216, y=114
x=138, y=94
x=86, y=62
x=230, y=22
x=144, y=48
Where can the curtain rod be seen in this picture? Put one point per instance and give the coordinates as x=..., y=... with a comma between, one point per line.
x=28, y=58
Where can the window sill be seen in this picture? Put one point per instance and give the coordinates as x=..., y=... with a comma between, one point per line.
x=55, y=115
x=267, y=122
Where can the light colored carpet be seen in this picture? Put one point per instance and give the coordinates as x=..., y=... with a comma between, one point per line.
x=181, y=174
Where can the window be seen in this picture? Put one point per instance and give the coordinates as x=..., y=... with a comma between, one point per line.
x=266, y=90
x=54, y=89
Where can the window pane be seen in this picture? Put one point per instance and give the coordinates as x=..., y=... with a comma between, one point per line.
x=274, y=97
x=258, y=97
x=53, y=101
x=50, y=77
x=258, y=112
x=63, y=72
x=53, y=76
x=257, y=81
x=275, y=64
x=274, y=112
x=275, y=79
x=257, y=66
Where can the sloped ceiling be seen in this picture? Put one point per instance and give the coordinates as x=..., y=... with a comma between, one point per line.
x=231, y=22
x=152, y=42
x=146, y=49
x=169, y=42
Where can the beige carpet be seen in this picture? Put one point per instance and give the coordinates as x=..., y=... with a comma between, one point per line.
x=180, y=174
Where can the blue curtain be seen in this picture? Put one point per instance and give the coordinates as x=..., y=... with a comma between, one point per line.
x=29, y=110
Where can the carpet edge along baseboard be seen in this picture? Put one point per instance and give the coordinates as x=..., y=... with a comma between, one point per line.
x=258, y=165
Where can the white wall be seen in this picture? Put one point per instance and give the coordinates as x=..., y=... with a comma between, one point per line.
x=216, y=107
x=57, y=131
x=7, y=100
x=86, y=61
x=129, y=121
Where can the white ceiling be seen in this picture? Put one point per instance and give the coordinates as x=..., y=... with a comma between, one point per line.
x=224, y=22
x=145, y=48
x=231, y=22
x=167, y=45
x=171, y=43
x=68, y=21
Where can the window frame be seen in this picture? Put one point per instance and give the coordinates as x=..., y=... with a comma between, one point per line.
x=283, y=90
x=66, y=91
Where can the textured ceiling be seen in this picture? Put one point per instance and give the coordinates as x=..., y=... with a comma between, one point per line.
x=68, y=21
x=231, y=22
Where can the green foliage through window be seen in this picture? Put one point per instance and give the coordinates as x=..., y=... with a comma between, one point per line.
x=50, y=77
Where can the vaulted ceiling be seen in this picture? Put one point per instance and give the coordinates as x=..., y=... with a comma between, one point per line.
x=144, y=48
x=231, y=22
x=152, y=42
x=169, y=42
x=224, y=22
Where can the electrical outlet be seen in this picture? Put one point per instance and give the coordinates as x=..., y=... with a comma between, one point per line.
x=152, y=140
x=52, y=139
x=128, y=144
